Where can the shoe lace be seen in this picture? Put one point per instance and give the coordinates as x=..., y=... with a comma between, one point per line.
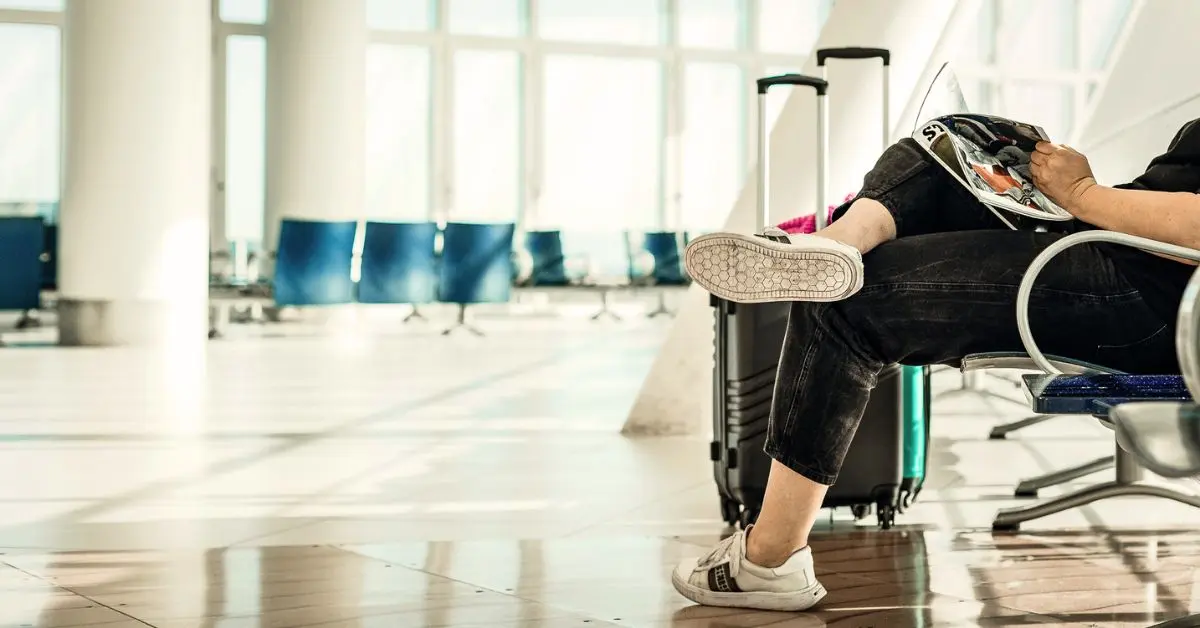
x=729, y=549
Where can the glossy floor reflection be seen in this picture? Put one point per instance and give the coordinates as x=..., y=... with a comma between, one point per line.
x=895, y=579
x=305, y=476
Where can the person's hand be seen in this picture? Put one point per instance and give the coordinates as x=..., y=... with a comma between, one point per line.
x=1062, y=174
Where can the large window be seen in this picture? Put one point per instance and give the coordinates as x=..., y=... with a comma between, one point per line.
x=1040, y=60
x=713, y=128
x=487, y=136
x=244, y=11
x=245, y=137
x=32, y=5
x=710, y=24
x=30, y=105
x=790, y=26
x=400, y=15
x=616, y=21
x=602, y=127
x=398, y=132
x=495, y=18
x=573, y=114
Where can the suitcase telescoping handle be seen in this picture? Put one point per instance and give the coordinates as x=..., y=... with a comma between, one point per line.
x=857, y=53
x=821, y=86
x=853, y=52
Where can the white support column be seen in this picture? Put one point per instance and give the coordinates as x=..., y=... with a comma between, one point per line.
x=442, y=120
x=676, y=397
x=532, y=125
x=749, y=93
x=216, y=221
x=670, y=210
x=134, y=227
x=316, y=112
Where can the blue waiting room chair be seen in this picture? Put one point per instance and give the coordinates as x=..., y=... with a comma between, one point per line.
x=1072, y=387
x=608, y=261
x=665, y=249
x=312, y=263
x=1164, y=436
x=22, y=270
x=399, y=264
x=547, y=262
x=476, y=267
x=49, y=265
x=50, y=259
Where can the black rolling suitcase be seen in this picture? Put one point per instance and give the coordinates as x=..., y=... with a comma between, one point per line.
x=748, y=343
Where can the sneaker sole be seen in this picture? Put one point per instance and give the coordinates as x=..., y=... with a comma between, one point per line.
x=749, y=269
x=760, y=600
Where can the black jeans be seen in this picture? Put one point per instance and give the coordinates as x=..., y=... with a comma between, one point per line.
x=945, y=288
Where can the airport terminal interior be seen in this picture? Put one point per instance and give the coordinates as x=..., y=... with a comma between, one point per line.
x=374, y=313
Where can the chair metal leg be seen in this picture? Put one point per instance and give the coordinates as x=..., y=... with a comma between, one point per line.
x=1010, y=519
x=461, y=323
x=662, y=307
x=414, y=314
x=29, y=319
x=604, y=309
x=1029, y=487
x=1128, y=482
x=220, y=315
x=1000, y=432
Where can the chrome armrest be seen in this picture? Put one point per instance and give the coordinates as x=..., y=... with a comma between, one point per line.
x=1016, y=360
x=1186, y=338
x=1039, y=262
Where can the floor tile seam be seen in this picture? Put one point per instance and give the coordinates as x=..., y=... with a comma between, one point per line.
x=949, y=597
x=512, y=594
x=988, y=601
x=73, y=592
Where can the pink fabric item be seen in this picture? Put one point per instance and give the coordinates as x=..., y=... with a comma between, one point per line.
x=808, y=224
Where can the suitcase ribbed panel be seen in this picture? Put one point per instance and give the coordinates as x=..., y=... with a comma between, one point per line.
x=749, y=400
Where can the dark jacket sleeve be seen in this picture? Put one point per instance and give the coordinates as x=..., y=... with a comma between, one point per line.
x=1178, y=169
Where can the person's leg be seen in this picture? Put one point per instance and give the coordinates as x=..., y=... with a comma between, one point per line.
x=928, y=299
x=906, y=193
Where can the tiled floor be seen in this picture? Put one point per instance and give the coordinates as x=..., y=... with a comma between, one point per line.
x=303, y=476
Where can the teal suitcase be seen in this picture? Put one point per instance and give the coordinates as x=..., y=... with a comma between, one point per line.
x=917, y=400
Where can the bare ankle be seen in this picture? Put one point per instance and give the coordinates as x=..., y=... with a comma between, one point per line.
x=767, y=551
x=840, y=237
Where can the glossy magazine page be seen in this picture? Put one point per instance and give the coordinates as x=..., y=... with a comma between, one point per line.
x=990, y=155
x=944, y=97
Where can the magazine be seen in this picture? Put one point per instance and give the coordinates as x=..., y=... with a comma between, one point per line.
x=988, y=154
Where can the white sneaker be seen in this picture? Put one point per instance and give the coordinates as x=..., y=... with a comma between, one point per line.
x=774, y=267
x=726, y=578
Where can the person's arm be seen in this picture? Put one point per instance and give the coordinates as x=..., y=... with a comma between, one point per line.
x=1171, y=217
x=1064, y=175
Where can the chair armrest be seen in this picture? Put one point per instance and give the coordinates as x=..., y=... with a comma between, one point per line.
x=1187, y=335
x=1163, y=436
x=1017, y=360
x=1040, y=262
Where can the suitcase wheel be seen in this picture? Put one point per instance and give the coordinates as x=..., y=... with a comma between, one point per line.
x=860, y=511
x=886, y=515
x=730, y=510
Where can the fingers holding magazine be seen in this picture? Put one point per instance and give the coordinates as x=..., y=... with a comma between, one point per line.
x=1062, y=173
